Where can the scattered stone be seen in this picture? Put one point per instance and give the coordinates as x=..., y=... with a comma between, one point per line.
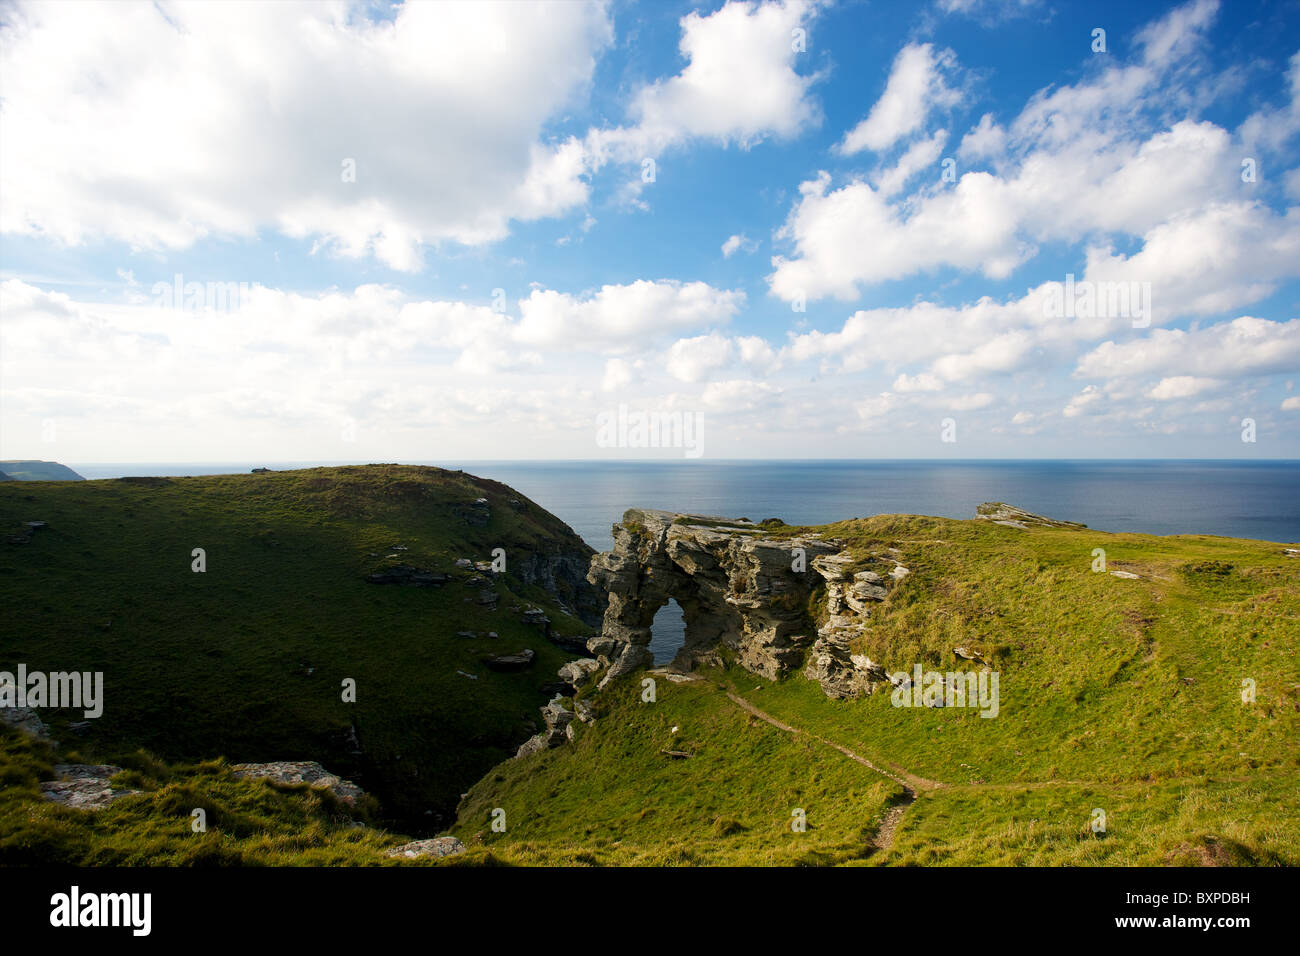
x=436, y=847
x=1127, y=575
x=80, y=727
x=465, y=674
x=464, y=563
x=291, y=772
x=677, y=677
x=899, y=573
x=508, y=663
x=406, y=574
x=466, y=634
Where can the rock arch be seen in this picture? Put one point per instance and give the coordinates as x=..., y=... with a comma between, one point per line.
x=737, y=587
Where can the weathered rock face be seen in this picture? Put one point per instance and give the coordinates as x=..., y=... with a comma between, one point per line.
x=737, y=588
x=851, y=593
x=563, y=575
x=558, y=730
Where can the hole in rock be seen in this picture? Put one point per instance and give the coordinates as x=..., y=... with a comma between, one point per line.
x=667, y=633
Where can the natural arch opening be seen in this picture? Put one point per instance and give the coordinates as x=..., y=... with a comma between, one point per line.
x=667, y=633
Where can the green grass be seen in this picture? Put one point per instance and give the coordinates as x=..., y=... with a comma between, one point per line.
x=1188, y=822
x=1118, y=695
x=248, y=822
x=246, y=661
x=1123, y=695
x=612, y=797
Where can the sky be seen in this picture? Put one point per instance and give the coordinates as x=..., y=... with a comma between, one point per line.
x=335, y=231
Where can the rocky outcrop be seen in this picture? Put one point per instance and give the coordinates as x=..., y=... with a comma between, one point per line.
x=737, y=587
x=84, y=786
x=743, y=588
x=290, y=772
x=576, y=673
x=999, y=512
x=851, y=593
x=25, y=719
x=434, y=848
x=559, y=729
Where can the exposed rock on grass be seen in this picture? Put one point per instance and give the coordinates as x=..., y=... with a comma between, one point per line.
x=436, y=847
x=84, y=786
x=289, y=773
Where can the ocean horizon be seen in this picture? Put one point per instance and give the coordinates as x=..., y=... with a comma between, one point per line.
x=1227, y=497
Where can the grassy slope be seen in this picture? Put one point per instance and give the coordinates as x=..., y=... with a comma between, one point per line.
x=1115, y=694
x=611, y=796
x=248, y=822
x=216, y=664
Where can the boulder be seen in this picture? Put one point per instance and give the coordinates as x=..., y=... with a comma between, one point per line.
x=577, y=672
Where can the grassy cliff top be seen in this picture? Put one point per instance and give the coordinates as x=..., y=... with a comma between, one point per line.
x=32, y=470
x=246, y=660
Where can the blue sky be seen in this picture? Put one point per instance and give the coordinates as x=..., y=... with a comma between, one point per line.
x=799, y=278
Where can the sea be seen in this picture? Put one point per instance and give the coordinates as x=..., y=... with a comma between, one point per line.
x=1240, y=499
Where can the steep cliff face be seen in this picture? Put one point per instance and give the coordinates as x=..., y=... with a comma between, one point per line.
x=737, y=587
x=562, y=573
